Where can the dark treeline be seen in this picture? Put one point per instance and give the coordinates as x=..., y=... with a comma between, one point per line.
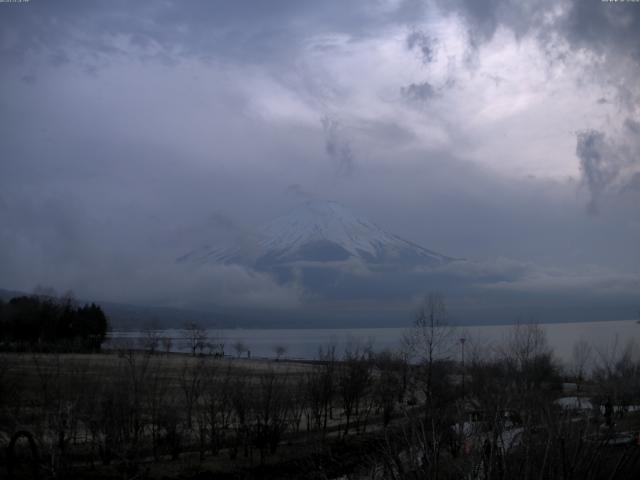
x=47, y=323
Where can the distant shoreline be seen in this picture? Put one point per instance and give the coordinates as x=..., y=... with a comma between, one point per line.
x=348, y=327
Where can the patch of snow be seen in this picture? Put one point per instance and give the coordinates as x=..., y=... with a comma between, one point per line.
x=510, y=438
x=318, y=221
x=574, y=403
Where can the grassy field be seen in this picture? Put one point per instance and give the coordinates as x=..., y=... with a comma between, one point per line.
x=130, y=414
x=168, y=415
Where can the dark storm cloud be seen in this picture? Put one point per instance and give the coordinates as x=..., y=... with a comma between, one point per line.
x=298, y=192
x=387, y=133
x=261, y=32
x=612, y=28
x=135, y=132
x=599, y=165
x=483, y=17
x=418, y=92
x=634, y=183
x=608, y=29
x=338, y=147
x=423, y=44
x=607, y=166
x=633, y=126
x=426, y=47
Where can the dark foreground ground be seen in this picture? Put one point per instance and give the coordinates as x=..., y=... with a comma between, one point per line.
x=134, y=415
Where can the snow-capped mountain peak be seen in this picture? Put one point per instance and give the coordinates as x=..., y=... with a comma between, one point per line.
x=320, y=231
x=324, y=221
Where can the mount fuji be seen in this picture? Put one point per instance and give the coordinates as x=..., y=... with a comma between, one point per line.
x=345, y=270
x=320, y=234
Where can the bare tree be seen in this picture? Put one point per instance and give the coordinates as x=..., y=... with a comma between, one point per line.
x=239, y=347
x=241, y=400
x=190, y=380
x=195, y=337
x=119, y=419
x=431, y=342
x=431, y=338
x=271, y=407
x=167, y=343
x=215, y=345
x=387, y=387
x=216, y=408
x=156, y=393
x=354, y=379
x=150, y=340
x=299, y=401
x=617, y=373
x=279, y=350
x=581, y=356
x=11, y=392
x=61, y=398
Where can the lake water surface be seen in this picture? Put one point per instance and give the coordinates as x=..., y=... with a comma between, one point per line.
x=305, y=343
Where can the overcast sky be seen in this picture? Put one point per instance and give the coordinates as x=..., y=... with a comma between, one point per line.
x=500, y=131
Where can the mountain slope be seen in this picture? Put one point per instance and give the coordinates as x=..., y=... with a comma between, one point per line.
x=320, y=233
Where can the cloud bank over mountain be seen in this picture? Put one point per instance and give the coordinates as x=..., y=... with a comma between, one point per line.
x=337, y=262
x=504, y=133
